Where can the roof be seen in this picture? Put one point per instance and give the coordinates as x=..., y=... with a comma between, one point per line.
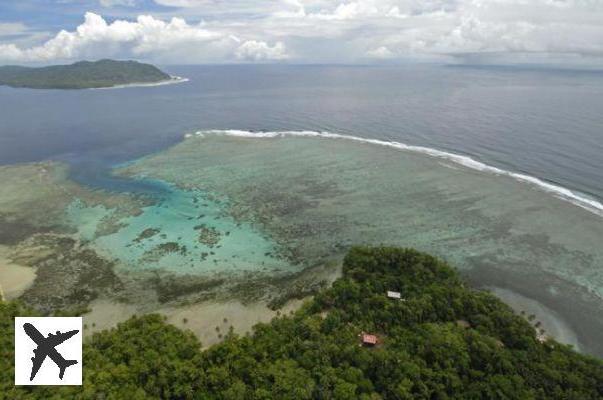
x=394, y=295
x=463, y=324
x=369, y=339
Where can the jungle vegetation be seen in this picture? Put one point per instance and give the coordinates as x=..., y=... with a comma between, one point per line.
x=443, y=340
x=81, y=75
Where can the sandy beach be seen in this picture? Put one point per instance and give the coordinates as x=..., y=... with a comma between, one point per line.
x=14, y=278
x=209, y=321
x=552, y=323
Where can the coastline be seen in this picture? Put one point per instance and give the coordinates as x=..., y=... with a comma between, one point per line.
x=172, y=81
x=210, y=321
x=536, y=313
x=14, y=279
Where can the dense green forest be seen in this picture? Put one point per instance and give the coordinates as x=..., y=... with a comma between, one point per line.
x=81, y=75
x=441, y=341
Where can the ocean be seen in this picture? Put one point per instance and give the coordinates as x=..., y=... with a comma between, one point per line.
x=502, y=174
x=543, y=123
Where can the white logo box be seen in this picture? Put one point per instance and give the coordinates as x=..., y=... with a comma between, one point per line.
x=52, y=340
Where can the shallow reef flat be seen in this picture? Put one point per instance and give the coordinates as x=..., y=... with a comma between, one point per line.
x=34, y=198
x=65, y=247
x=37, y=236
x=315, y=197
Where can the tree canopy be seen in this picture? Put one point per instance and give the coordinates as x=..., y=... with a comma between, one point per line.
x=443, y=340
x=81, y=75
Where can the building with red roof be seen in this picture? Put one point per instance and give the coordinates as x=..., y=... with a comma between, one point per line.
x=368, y=339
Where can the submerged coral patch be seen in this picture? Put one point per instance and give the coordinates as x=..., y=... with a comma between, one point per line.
x=183, y=231
x=146, y=234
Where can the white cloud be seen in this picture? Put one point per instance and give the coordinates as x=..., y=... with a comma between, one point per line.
x=145, y=37
x=221, y=7
x=182, y=3
x=254, y=50
x=354, y=9
x=335, y=31
x=380, y=52
x=507, y=26
x=113, y=3
x=453, y=28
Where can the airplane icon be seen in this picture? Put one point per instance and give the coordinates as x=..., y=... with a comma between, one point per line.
x=46, y=347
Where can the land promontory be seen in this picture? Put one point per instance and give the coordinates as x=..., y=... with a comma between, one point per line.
x=82, y=75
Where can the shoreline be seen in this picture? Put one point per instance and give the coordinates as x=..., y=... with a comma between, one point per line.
x=174, y=80
x=540, y=316
x=14, y=279
x=210, y=321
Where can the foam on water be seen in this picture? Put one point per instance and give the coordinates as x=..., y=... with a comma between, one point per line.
x=173, y=80
x=578, y=199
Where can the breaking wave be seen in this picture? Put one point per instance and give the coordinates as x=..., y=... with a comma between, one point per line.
x=173, y=80
x=577, y=199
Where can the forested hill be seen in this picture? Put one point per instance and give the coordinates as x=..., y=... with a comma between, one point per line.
x=81, y=75
x=442, y=340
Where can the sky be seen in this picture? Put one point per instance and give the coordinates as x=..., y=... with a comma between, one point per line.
x=543, y=32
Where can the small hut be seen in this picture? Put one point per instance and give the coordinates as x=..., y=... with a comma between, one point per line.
x=368, y=339
x=461, y=323
x=394, y=295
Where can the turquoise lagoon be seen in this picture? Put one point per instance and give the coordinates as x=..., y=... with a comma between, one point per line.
x=182, y=232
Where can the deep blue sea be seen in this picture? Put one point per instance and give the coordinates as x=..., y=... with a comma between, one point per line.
x=545, y=123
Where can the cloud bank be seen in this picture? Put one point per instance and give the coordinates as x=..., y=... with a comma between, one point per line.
x=334, y=31
x=145, y=38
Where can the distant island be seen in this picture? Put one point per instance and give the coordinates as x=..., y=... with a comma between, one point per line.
x=83, y=75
